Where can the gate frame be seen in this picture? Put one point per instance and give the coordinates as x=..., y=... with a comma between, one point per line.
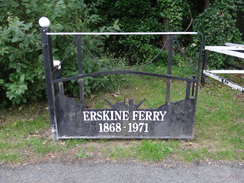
x=54, y=82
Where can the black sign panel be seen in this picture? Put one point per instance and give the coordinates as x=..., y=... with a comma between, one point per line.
x=175, y=120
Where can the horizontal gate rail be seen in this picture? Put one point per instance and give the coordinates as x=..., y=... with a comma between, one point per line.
x=119, y=33
x=226, y=71
x=223, y=80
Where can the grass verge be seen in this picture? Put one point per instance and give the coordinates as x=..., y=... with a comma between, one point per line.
x=25, y=133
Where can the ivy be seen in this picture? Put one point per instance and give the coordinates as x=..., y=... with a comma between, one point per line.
x=172, y=12
x=218, y=25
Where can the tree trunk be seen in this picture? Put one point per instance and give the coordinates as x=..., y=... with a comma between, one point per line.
x=206, y=4
x=164, y=37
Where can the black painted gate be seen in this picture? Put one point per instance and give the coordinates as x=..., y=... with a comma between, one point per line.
x=71, y=119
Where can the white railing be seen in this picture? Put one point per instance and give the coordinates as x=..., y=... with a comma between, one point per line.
x=231, y=49
x=119, y=33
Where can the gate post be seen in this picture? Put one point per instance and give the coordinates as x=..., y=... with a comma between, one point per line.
x=48, y=67
x=204, y=67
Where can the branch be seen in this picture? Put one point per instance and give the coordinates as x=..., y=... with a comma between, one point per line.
x=190, y=16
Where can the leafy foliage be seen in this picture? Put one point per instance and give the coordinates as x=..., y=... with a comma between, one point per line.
x=136, y=49
x=153, y=16
x=22, y=73
x=173, y=12
x=217, y=23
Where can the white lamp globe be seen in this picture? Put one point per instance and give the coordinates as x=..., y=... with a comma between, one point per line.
x=44, y=22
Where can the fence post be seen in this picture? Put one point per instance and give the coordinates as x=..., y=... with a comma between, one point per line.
x=48, y=67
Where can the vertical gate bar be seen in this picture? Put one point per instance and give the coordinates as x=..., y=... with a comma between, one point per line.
x=61, y=88
x=199, y=62
x=57, y=75
x=169, y=70
x=193, y=87
x=204, y=67
x=79, y=54
x=79, y=59
x=48, y=67
x=188, y=86
x=81, y=88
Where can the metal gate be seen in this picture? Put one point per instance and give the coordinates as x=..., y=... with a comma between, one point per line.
x=71, y=119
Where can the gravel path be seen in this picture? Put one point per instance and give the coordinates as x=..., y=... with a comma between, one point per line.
x=133, y=172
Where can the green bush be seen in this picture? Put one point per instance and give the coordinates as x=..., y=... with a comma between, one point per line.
x=218, y=24
x=135, y=16
x=136, y=49
x=22, y=71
